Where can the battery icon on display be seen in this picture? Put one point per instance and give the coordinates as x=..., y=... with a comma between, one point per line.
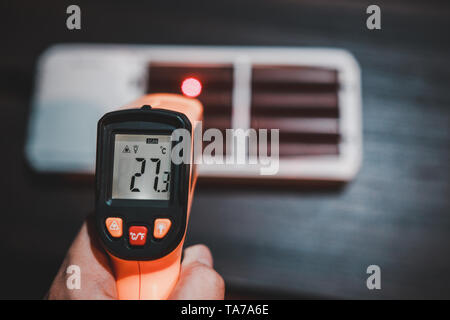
x=152, y=141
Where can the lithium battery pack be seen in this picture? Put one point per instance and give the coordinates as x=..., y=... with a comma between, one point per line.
x=312, y=95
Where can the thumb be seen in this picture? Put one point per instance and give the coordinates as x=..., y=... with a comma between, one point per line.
x=198, y=280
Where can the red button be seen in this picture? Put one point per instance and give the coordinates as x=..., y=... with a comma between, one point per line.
x=137, y=235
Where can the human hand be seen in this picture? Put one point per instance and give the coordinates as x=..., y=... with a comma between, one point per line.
x=198, y=279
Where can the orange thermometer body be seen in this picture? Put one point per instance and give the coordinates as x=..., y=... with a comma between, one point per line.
x=143, y=197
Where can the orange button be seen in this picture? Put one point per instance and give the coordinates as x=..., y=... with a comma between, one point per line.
x=114, y=226
x=161, y=228
x=137, y=235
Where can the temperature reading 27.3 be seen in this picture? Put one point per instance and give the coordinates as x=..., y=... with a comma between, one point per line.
x=141, y=167
x=156, y=177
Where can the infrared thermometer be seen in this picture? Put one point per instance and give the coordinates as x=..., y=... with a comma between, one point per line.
x=143, y=199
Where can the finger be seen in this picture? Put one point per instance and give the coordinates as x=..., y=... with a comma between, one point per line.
x=198, y=253
x=96, y=276
x=198, y=280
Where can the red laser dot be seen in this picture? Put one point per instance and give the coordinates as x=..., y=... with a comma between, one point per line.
x=191, y=87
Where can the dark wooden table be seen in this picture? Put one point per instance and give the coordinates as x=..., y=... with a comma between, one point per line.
x=267, y=242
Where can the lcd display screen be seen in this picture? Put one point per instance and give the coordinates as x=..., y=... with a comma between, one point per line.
x=142, y=166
